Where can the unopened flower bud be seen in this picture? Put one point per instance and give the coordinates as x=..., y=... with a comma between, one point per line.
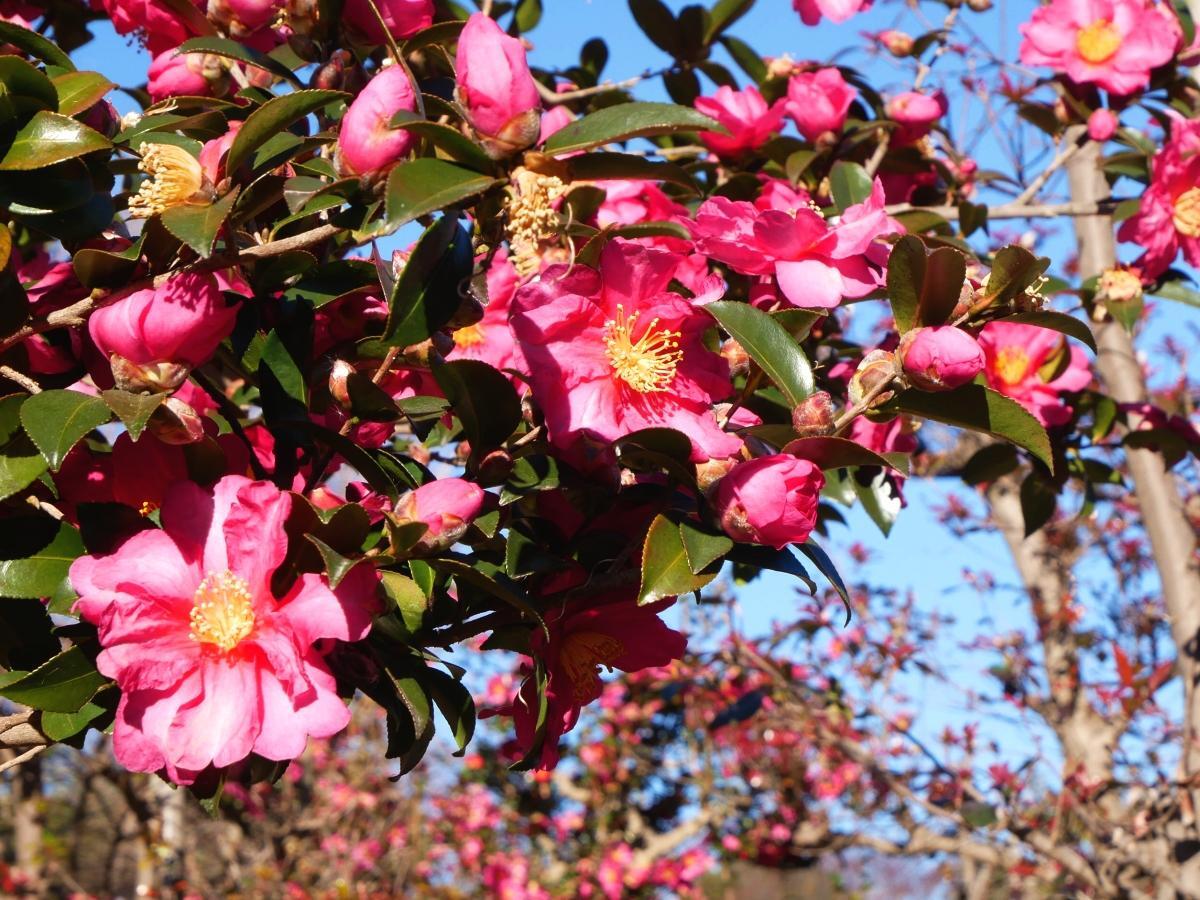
x=495, y=468
x=1102, y=125
x=175, y=422
x=737, y=357
x=940, y=358
x=367, y=143
x=979, y=5
x=495, y=87
x=446, y=506
x=897, y=43
x=711, y=472
x=339, y=382
x=815, y=417
x=876, y=369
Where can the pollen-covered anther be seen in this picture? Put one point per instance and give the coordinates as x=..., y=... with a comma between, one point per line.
x=648, y=364
x=175, y=179
x=532, y=218
x=222, y=611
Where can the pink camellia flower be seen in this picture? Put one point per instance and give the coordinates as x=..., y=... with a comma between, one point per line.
x=1111, y=43
x=1015, y=355
x=490, y=339
x=496, y=88
x=940, y=358
x=816, y=266
x=367, y=144
x=1102, y=124
x=162, y=332
x=160, y=27
x=818, y=101
x=447, y=506
x=915, y=113
x=617, y=635
x=1168, y=216
x=812, y=11
x=613, y=351
x=771, y=500
x=212, y=667
x=744, y=114
x=402, y=17
x=242, y=18
x=174, y=74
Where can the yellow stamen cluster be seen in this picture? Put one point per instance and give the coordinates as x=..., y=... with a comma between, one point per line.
x=1098, y=42
x=1012, y=364
x=646, y=365
x=532, y=218
x=175, y=179
x=222, y=611
x=582, y=655
x=469, y=336
x=1187, y=213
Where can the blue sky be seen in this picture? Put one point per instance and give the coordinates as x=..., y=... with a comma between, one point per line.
x=919, y=556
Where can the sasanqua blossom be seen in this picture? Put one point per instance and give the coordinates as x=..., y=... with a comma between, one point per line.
x=1015, y=359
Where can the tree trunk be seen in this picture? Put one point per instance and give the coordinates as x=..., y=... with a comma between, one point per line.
x=27, y=822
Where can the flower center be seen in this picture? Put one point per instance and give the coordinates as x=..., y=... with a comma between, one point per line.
x=175, y=179
x=1187, y=213
x=468, y=336
x=582, y=655
x=1012, y=365
x=646, y=365
x=222, y=611
x=1098, y=42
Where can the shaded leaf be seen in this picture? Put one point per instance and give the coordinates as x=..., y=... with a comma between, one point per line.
x=666, y=571
x=424, y=186
x=134, y=410
x=1056, y=321
x=625, y=121
x=57, y=420
x=42, y=573
x=483, y=399
x=62, y=684
x=425, y=296
x=272, y=117
x=49, y=138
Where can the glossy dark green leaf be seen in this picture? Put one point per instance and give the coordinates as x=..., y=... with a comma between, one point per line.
x=35, y=45
x=849, y=184
x=41, y=574
x=62, y=684
x=407, y=601
x=1060, y=322
x=483, y=399
x=702, y=547
x=825, y=566
x=337, y=566
x=134, y=410
x=231, y=49
x=425, y=296
x=451, y=141
x=49, y=138
x=625, y=121
x=60, y=726
x=723, y=14
x=57, y=420
x=989, y=463
x=198, y=226
x=273, y=117
x=1014, y=269
x=95, y=267
x=770, y=345
x=79, y=91
x=878, y=495
x=923, y=288
x=657, y=23
x=26, y=88
x=20, y=461
x=601, y=166
x=666, y=570
x=455, y=704
x=424, y=186
x=979, y=408
x=1038, y=501
x=835, y=453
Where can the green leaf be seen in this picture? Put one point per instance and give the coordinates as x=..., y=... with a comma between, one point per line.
x=978, y=815
x=666, y=570
x=1060, y=322
x=745, y=56
x=923, y=288
x=337, y=566
x=408, y=601
x=454, y=143
x=657, y=23
x=825, y=566
x=425, y=296
x=274, y=116
x=723, y=14
x=35, y=45
x=197, y=226
x=849, y=184
x=1014, y=270
x=703, y=548
x=979, y=408
x=770, y=345
x=501, y=587
x=879, y=497
x=231, y=49
x=1038, y=501
x=20, y=461
x=62, y=684
x=24, y=89
x=1179, y=292
x=79, y=91
x=49, y=138
x=601, y=166
x=424, y=186
x=60, y=726
x=455, y=704
x=57, y=420
x=42, y=574
x=276, y=358
x=527, y=15
x=835, y=453
x=483, y=399
x=134, y=410
x=625, y=121
x=989, y=463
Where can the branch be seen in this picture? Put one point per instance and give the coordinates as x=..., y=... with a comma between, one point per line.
x=1017, y=210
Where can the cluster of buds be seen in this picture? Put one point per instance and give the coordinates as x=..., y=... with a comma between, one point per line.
x=1119, y=293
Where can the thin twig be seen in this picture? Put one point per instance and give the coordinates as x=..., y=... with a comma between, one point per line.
x=24, y=757
x=18, y=378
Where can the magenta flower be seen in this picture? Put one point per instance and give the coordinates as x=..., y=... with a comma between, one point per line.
x=212, y=667
x=1111, y=43
x=818, y=102
x=1015, y=356
x=178, y=324
x=771, y=500
x=496, y=88
x=174, y=74
x=490, y=339
x=915, y=113
x=941, y=358
x=447, y=506
x=815, y=265
x=613, y=351
x=615, y=635
x=403, y=18
x=1168, y=216
x=744, y=114
x=158, y=24
x=837, y=11
x=367, y=144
